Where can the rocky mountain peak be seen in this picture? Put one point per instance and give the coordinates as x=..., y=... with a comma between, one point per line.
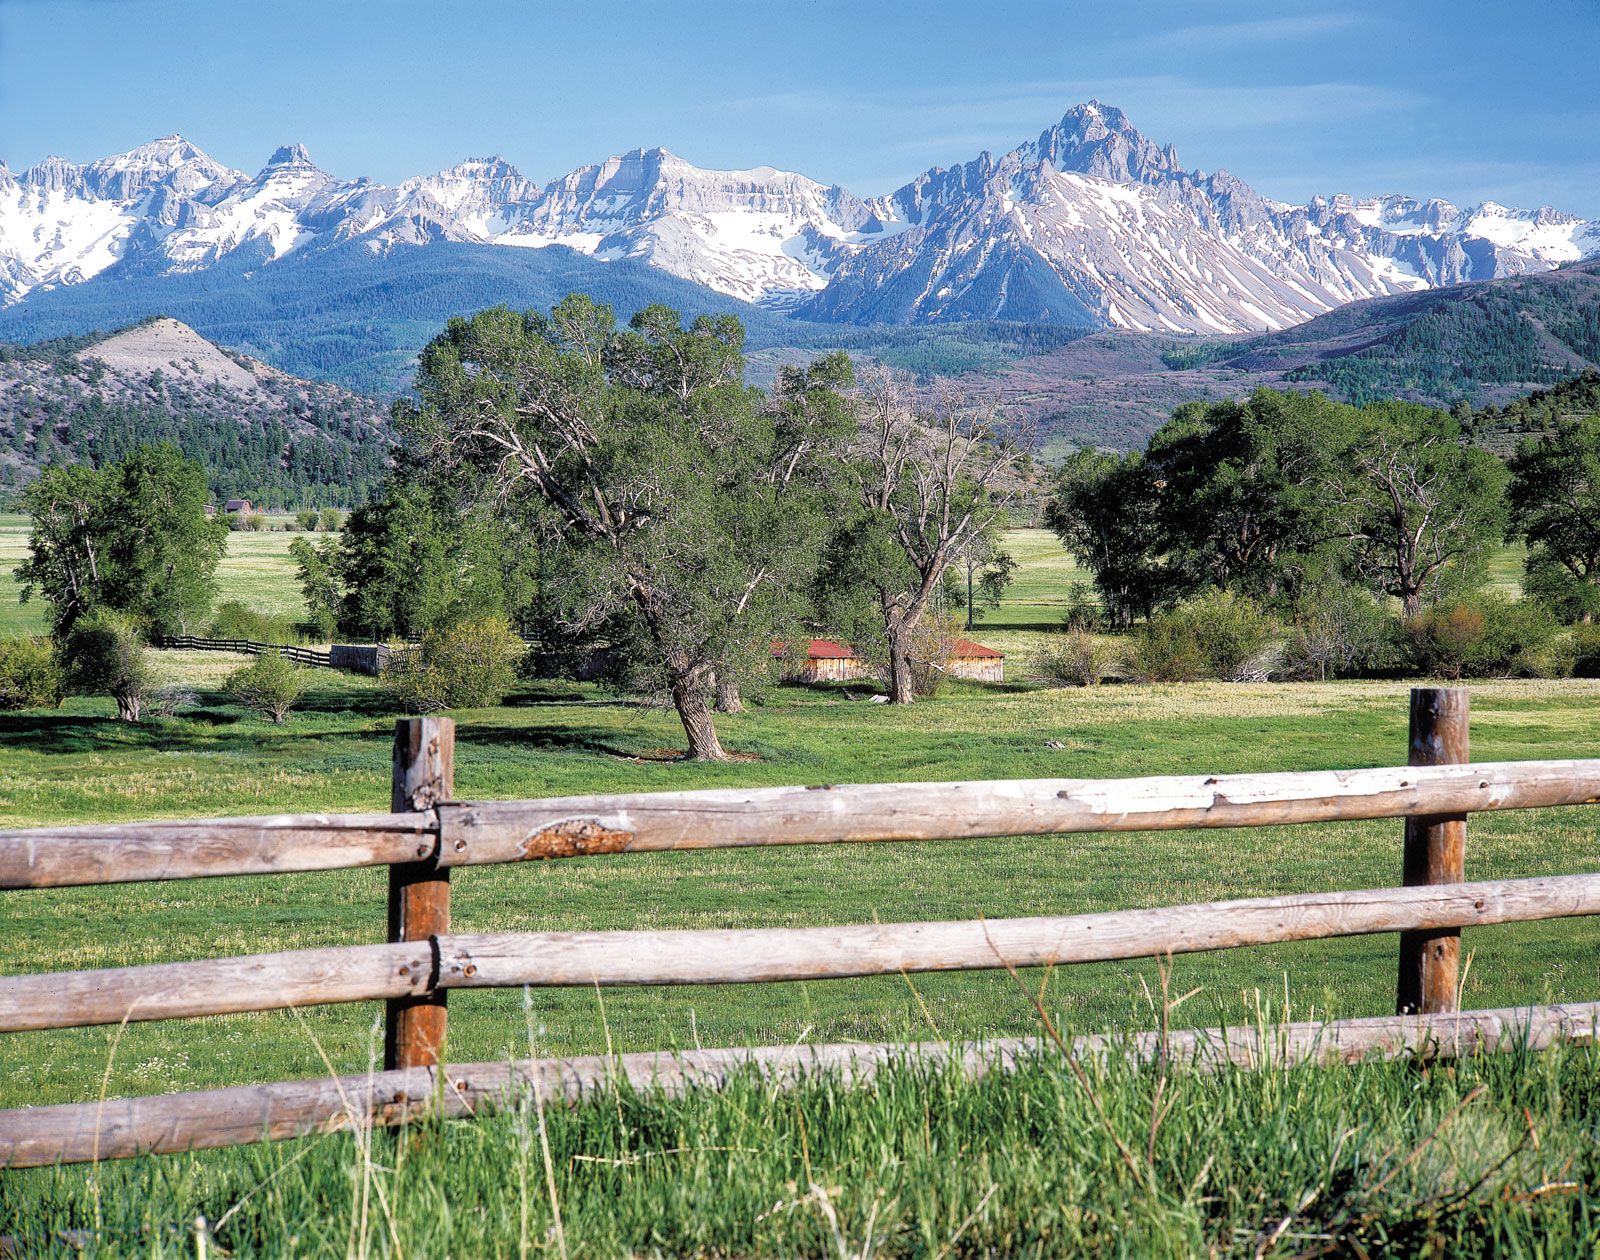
x=1095, y=139
x=171, y=159
x=485, y=168
x=289, y=155
x=53, y=174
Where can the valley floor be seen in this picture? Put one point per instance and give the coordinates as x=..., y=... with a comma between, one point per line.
x=907, y=1164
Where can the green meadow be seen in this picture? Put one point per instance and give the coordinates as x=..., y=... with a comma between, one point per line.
x=903, y=1166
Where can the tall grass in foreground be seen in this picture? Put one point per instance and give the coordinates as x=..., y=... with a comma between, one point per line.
x=1496, y=1155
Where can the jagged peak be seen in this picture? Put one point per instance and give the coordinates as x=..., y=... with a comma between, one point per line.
x=1097, y=139
x=289, y=155
x=173, y=148
x=493, y=167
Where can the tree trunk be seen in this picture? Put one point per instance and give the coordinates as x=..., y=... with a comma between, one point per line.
x=900, y=689
x=689, y=698
x=728, y=695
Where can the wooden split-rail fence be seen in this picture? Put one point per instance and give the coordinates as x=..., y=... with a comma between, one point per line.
x=428, y=834
x=290, y=652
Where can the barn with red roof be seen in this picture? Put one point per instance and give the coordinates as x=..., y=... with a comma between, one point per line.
x=826, y=660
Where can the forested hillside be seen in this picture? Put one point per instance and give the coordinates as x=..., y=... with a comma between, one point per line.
x=261, y=434
x=1500, y=427
x=1482, y=345
x=1462, y=342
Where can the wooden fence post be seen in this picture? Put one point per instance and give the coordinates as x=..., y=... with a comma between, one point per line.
x=419, y=892
x=1435, y=853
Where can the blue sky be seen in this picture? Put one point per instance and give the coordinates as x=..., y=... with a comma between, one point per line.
x=1465, y=100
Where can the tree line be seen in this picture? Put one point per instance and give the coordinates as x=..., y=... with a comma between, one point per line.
x=1293, y=502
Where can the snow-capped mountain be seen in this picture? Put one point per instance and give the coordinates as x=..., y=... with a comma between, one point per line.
x=1090, y=223
x=762, y=235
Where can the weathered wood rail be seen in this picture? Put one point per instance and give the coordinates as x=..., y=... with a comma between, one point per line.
x=427, y=834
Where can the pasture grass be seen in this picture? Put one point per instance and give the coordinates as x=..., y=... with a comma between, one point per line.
x=1487, y=1157
x=916, y=1165
x=256, y=570
x=77, y=765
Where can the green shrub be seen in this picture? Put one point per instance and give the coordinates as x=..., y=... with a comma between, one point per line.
x=106, y=656
x=469, y=665
x=1078, y=660
x=1165, y=649
x=256, y=521
x=235, y=621
x=1585, y=649
x=270, y=685
x=1233, y=631
x=332, y=519
x=1340, y=631
x=306, y=520
x=1482, y=636
x=30, y=674
x=1215, y=635
x=1083, y=609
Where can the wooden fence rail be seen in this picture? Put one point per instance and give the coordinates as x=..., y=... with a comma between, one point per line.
x=355, y=973
x=471, y=833
x=289, y=651
x=120, y=1128
x=427, y=834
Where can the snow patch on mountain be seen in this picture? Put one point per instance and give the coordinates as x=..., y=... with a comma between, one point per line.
x=1091, y=222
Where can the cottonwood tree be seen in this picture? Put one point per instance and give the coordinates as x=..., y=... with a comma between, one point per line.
x=106, y=655
x=1555, y=506
x=981, y=573
x=672, y=488
x=930, y=476
x=1416, y=508
x=1241, y=489
x=132, y=536
x=1105, y=510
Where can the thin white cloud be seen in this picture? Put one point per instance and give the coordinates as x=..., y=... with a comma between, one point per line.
x=1275, y=30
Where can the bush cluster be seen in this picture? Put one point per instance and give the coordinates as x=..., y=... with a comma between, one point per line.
x=1486, y=635
x=470, y=665
x=1340, y=631
x=1219, y=634
x=1078, y=660
x=236, y=621
x=31, y=676
x=270, y=685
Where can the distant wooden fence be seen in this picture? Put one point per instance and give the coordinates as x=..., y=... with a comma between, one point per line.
x=427, y=833
x=290, y=652
x=361, y=658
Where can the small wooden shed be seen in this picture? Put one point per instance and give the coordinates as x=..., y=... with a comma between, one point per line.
x=977, y=662
x=825, y=661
